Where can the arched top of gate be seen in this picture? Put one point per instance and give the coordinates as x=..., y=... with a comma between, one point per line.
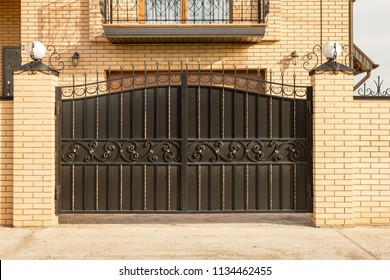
x=122, y=81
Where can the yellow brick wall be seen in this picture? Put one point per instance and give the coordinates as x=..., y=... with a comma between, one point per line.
x=371, y=163
x=9, y=26
x=351, y=155
x=6, y=162
x=77, y=26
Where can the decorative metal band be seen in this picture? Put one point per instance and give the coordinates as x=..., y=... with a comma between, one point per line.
x=120, y=151
x=202, y=151
x=216, y=79
x=133, y=82
x=247, y=151
x=246, y=84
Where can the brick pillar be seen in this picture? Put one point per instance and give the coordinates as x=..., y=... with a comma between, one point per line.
x=333, y=149
x=6, y=161
x=34, y=150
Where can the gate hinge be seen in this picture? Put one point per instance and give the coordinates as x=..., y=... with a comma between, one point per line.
x=57, y=193
x=58, y=108
x=309, y=108
x=309, y=192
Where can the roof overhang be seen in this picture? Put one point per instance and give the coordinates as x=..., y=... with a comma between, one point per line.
x=361, y=62
x=184, y=33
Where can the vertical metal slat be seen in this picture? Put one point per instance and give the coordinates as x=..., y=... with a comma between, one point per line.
x=184, y=141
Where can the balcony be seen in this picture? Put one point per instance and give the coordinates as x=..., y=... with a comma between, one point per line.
x=184, y=21
x=361, y=62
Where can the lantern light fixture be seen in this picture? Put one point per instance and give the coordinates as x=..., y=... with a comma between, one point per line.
x=294, y=57
x=75, y=59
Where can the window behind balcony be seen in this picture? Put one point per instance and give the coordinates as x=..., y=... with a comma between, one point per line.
x=216, y=11
x=187, y=11
x=162, y=11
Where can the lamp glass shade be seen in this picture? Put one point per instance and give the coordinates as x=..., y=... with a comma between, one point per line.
x=36, y=50
x=331, y=50
x=75, y=58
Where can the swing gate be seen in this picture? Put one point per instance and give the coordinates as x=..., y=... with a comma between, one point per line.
x=184, y=142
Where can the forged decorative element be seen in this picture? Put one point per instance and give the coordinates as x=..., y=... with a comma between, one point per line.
x=120, y=151
x=197, y=11
x=377, y=92
x=313, y=58
x=247, y=151
x=313, y=62
x=59, y=65
x=33, y=67
x=37, y=66
x=349, y=58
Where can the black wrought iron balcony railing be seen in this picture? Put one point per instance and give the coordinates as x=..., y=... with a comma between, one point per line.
x=184, y=11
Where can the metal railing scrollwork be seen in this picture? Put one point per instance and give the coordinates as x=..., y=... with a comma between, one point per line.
x=377, y=92
x=184, y=11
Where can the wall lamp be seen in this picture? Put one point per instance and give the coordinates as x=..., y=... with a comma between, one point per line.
x=75, y=59
x=36, y=51
x=331, y=50
x=294, y=57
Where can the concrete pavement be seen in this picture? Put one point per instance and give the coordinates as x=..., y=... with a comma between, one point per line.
x=185, y=236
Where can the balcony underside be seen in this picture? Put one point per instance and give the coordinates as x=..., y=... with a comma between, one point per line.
x=362, y=63
x=184, y=33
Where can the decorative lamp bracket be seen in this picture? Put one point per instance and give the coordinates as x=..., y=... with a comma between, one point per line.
x=331, y=50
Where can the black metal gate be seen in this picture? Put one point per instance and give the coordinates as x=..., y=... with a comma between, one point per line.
x=185, y=141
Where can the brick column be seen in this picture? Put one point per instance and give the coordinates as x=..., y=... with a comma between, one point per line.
x=34, y=150
x=333, y=149
x=6, y=161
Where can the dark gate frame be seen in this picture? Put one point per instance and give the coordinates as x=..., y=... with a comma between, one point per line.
x=240, y=154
